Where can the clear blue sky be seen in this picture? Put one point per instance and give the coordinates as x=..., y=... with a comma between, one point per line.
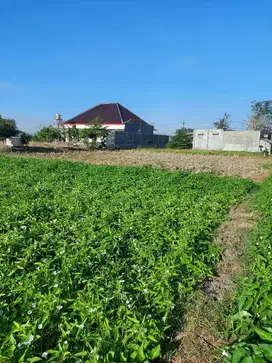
x=166, y=60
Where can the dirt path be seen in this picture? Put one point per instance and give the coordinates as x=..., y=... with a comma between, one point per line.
x=239, y=166
x=205, y=323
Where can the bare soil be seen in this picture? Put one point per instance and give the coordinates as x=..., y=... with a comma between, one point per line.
x=238, y=166
x=202, y=335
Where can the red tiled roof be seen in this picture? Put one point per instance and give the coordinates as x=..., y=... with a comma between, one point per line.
x=110, y=113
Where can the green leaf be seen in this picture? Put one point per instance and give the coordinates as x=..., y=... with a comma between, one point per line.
x=258, y=360
x=141, y=354
x=264, y=335
x=155, y=352
x=267, y=351
x=81, y=354
x=134, y=354
x=150, y=337
x=34, y=359
x=134, y=320
x=248, y=360
x=238, y=354
x=124, y=359
x=242, y=314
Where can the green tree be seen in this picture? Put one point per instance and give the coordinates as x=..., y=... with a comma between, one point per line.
x=261, y=116
x=93, y=133
x=8, y=127
x=74, y=133
x=183, y=139
x=223, y=123
x=25, y=137
x=48, y=133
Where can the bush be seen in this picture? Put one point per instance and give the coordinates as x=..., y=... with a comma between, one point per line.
x=25, y=137
x=183, y=139
x=48, y=133
x=94, y=136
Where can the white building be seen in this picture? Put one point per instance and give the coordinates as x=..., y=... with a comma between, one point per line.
x=227, y=140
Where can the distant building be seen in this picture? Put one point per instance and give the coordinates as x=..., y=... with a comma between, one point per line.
x=227, y=140
x=127, y=130
x=113, y=116
x=14, y=141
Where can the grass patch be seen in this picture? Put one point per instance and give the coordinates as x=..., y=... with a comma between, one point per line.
x=203, y=333
x=251, y=325
x=204, y=152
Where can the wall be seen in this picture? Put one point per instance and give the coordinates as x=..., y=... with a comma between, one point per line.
x=131, y=140
x=241, y=141
x=108, y=126
x=226, y=140
x=136, y=126
x=208, y=139
x=14, y=141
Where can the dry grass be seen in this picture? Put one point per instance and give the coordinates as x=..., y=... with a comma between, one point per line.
x=239, y=166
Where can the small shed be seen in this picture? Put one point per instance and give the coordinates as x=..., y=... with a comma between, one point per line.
x=14, y=141
x=266, y=144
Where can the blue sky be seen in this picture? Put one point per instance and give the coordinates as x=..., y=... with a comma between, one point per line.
x=166, y=60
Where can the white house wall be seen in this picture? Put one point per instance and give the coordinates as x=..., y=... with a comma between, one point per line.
x=241, y=141
x=226, y=140
x=208, y=139
x=108, y=126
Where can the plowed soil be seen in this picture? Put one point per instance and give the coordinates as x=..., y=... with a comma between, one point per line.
x=239, y=166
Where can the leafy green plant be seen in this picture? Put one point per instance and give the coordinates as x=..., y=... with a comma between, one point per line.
x=95, y=261
x=25, y=137
x=183, y=139
x=252, y=324
x=95, y=135
x=48, y=133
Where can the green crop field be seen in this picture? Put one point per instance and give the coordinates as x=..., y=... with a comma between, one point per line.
x=97, y=261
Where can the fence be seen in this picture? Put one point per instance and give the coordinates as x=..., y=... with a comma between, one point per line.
x=132, y=140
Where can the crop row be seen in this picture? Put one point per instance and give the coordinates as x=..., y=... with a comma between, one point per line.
x=252, y=323
x=96, y=261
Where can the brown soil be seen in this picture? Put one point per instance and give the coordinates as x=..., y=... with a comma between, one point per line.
x=239, y=166
x=204, y=324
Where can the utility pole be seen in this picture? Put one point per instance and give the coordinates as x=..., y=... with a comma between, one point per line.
x=183, y=124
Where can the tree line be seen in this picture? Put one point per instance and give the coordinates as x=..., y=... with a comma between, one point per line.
x=90, y=136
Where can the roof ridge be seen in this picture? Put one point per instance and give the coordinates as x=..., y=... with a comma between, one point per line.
x=81, y=113
x=134, y=114
x=119, y=111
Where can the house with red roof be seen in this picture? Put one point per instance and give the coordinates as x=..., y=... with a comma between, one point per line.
x=113, y=116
